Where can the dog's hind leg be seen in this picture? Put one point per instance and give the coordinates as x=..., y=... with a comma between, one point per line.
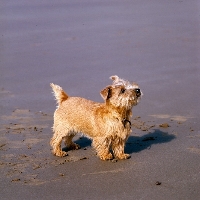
x=69, y=143
x=55, y=142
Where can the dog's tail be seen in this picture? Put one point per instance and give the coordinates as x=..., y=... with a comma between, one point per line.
x=59, y=93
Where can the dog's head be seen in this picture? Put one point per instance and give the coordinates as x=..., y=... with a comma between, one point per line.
x=122, y=93
x=120, y=96
x=128, y=85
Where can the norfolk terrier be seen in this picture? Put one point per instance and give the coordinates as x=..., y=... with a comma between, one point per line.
x=107, y=124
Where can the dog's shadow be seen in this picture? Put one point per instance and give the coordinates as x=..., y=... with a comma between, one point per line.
x=136, y=143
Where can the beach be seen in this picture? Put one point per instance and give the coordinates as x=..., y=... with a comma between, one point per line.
x=79, y=45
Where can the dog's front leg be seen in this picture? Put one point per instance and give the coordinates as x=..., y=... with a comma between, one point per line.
x=118, y=145
x=102, y=147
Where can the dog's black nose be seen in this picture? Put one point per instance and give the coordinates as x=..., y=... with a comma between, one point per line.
x=137, y=91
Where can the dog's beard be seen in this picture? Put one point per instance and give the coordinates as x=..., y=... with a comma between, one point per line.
x=126, y=102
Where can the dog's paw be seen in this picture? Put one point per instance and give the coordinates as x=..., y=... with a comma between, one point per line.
x=106, y=156
x=124, y=156
x=60, y=153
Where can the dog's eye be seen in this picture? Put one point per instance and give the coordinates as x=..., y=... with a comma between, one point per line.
x=123, y=90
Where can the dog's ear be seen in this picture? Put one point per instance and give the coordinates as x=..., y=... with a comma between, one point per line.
x=106, y=93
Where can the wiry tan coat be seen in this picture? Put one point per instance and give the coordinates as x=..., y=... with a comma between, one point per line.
x=107, y=124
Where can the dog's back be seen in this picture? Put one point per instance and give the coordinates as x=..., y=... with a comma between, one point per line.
x=73, y=112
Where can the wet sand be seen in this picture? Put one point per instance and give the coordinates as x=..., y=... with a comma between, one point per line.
x=78, y=45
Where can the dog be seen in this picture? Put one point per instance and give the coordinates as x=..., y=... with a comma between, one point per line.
x=107, y=124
